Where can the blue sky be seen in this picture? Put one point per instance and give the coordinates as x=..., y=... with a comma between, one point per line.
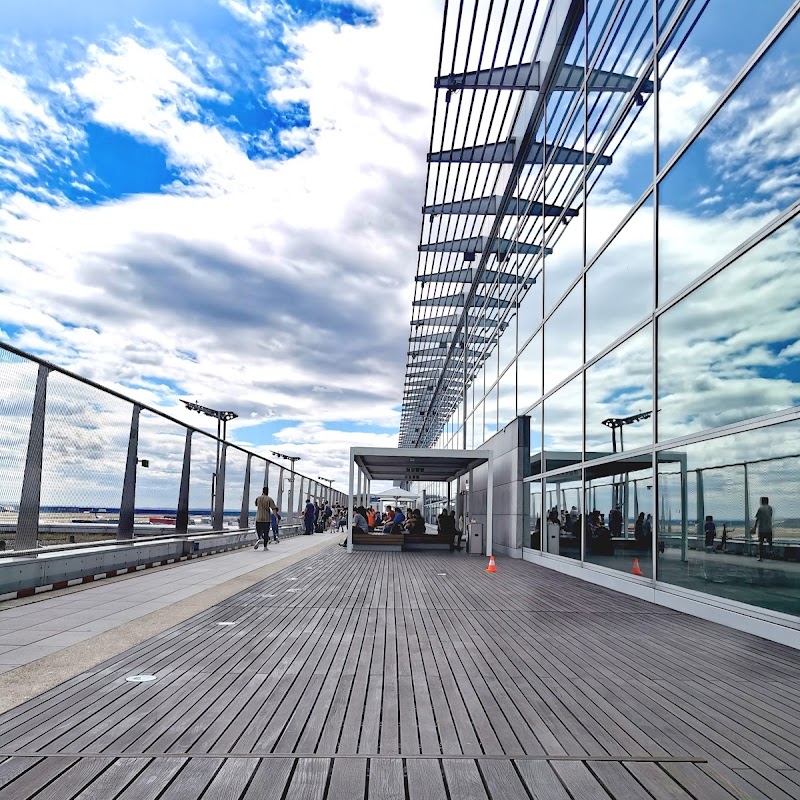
x=197, y=196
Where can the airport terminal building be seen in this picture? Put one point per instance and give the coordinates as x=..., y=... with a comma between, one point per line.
x=608, y=296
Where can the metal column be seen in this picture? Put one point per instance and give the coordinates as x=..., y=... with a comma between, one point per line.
x=182, y=517
x=350, y=506
x=28, y=518
x=244, y=516
x=128, y=502
x=219, y=500
x=701, y=510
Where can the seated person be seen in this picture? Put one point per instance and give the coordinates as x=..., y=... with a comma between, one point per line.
x=415, y=522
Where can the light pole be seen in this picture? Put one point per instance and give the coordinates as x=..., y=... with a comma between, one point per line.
x=291, y=460
x=329, y=481
x=222, y=417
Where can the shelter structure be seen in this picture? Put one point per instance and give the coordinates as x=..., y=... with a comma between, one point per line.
x=369, y=464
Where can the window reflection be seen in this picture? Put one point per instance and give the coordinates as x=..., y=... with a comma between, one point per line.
x=731, y=350
x=711, y=528
x=619, y=521
x=507, y=397
x=619, y=286
x=702, y=57
x=565, y=262
x=535, y=516
x=619, y=398
x=563, y=424
x=529, y=373
x=563, y=339
x=536, y=440
x=563, y=518
x=739, y=172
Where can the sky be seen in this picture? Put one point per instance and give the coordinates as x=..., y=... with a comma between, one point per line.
x=218, y=200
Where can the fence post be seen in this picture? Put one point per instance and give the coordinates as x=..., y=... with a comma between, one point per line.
x=28, y=518
x=128, y=502
x=219, y=503
x=244, y=517
x=182, y=517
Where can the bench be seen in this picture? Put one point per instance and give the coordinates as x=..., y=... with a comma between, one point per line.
x=428, y=541
x=392, y=542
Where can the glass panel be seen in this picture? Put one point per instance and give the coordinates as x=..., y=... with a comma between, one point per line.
x=490, y=415
x=530, y=312
x=565, y=262
x=619, y=398
x=619, y=527
x=702, y=57
x=508, y=341
x=717, y=537
x=738, y=173
x=731, y=349
x=563, y=339
x=201, y=479
x=507, y=397
x=529, y=373
x=613, y=189
x=563, y=425
x=562, y=516
x=628, y=263
x=536, y=440
x=534, y=517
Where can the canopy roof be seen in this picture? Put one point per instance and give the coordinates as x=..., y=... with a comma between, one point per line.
x=395, y=493
x=416, y=464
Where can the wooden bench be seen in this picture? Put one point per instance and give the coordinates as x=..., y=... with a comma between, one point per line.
x=377, y=541
x=428, y=541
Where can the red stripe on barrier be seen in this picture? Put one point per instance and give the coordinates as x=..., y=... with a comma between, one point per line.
x=60, y=585
x=87, y=578
x=26, y=592
x=112, y=573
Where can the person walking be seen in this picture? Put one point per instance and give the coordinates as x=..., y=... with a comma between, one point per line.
x=274, y=520
x=265, y=506
x=763, y=524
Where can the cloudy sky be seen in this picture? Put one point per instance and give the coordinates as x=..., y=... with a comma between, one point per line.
x=219, y=200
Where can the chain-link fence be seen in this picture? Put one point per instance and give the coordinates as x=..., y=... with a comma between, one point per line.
x=80, y=463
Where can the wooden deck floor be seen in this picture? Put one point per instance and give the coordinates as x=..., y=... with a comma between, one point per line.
x=418, y=676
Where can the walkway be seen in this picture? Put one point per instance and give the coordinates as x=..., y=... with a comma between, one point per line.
x=416, y=676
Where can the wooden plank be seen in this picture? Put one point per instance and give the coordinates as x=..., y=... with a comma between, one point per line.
x=108, y=785
x=193, y=779
x=541, y=781
x=657, y=782
x=75, y=779
x=309, y=779
x=501, y=779
x=425, y=780
x=270, y=779
x=27, y=783
x=386, y=779
x=463, y=779
x=580, y=783
x=232, y=779
x=150, y=782
x=13, y=767
x=348, y=779
x=696, y=782
x=618, y=782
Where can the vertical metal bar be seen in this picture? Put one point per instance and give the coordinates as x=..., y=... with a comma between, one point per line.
x=28, y=518
x=350, y=504
x=684, y=509
x=490, y=506
x=654, y=325
x=182, y=517
x=266, y=476
x=219, y=500
x=128, y=502
x=290, y=508
x=244, y=516
x=701, y=510
x=279, y=499
x=747, y=537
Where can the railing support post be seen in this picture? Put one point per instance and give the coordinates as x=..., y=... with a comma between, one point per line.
x=182, y=517
x=244, y=517
x=128, y=502
x=219, y=500
x=28, y=518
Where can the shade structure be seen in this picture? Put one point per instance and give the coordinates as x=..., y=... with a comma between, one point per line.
x=395, y=493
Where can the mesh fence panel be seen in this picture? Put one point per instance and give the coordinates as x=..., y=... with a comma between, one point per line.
x=161, y=444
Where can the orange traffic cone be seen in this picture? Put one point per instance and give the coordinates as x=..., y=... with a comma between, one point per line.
x=491, y=567
x=636, y=570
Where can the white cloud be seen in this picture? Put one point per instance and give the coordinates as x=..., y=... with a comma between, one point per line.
x=277, y=276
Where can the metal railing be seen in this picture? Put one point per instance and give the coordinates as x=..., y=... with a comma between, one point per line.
x=81, y=462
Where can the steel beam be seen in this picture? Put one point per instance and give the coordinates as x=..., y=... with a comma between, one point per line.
x=219, y=501
x=506, y=153
x=244, y=515
x=457, y=301
x=182, y=516
x=128, y=502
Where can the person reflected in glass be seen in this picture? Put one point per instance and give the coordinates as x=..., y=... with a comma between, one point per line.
x=710, y=531
x=763, y=525
x=638, y=529
x=647, y=530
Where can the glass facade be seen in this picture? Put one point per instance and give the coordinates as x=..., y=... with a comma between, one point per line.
x=657, y=339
